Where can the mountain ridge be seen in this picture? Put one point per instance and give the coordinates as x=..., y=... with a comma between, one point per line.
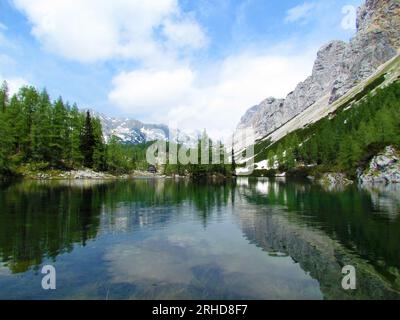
x=339, y=67
x=132, y=131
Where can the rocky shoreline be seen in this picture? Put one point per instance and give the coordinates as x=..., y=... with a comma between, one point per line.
x=383, y=168
x=82, y=174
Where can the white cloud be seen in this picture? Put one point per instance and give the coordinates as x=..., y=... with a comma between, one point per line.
x=140, y=91
x=166, y=88
x=214, y=99
x=185, y=33
x=14, y=83
x=349, y=17
x=95, y=30
x=300, y=13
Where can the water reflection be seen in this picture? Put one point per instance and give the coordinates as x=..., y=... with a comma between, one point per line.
x=385, y=197
x=45, y=219
x=155, y=238
x=37, y=221
x=326, y=230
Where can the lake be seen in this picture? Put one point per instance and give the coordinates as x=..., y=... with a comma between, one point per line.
x=167, y=239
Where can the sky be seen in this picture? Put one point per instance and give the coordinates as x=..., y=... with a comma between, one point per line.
x=192, y=64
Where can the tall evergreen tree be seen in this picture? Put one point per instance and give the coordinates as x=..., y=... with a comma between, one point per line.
x=5, y=142
x=5, y=138
x=59, y=132
x=77, y=121
x=29, y=100
x=42, y=129
x=15, y=119
x=88, y=142
x=4, y=97
x=233, y=167
x=99, y=150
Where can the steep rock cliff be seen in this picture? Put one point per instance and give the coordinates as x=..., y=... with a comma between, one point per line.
x=339, y=67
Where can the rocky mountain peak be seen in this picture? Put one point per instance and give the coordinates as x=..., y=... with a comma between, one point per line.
x=338, y=68
x=327, y=55
x=131, y=131
x=269, y=100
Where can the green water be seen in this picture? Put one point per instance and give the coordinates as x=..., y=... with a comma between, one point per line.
x=165, y=239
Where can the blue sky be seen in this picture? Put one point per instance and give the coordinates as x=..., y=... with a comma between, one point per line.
x=191, y=63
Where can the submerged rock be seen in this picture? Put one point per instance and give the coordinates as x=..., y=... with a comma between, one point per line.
x=334, y=181
x=384, y=168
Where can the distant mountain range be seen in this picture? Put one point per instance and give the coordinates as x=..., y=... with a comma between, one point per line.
x=132, y=131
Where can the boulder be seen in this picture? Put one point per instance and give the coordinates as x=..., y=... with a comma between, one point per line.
x=383, y=168
x=334, y=181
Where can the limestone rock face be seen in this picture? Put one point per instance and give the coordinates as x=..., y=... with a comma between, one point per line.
x=384, y=168
x=265, y=114
x=380, y=16
x=339, y=67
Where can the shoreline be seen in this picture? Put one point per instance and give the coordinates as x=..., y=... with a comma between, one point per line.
x=83, y=174
x=88, y=174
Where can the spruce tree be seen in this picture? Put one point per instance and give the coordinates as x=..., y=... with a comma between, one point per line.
x=99, y=150
x=5, y=134
x=77, y=121
x=88, y=142
x=290, y=161
x=4, y=97
x=42, y=129
x=15, y=120
x=233, y=157
x=5, y=143
x=233, y=166
x=29, y=100
x=59, y=132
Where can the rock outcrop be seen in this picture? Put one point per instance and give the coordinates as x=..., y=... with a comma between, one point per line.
x=339, y=67
x=384, y=168
x=334, y=181
x=267, y=113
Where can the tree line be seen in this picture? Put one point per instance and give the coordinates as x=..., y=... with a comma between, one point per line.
x=47, y=134
x=41, y=134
